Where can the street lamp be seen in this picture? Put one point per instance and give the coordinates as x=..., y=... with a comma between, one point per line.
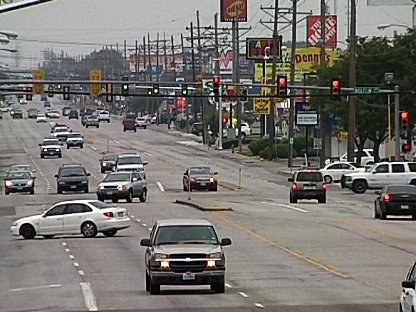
x=384, y=26
x=265, y=59
x=9, y=34
x=8, y=50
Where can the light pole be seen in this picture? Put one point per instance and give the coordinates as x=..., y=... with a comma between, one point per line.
x=265, y=59
x=384, y=26
x=388, y=77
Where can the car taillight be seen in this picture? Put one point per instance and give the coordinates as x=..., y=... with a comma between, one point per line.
x=324, y=186
x=387, y=197
x=294, y=186
x=109, y=214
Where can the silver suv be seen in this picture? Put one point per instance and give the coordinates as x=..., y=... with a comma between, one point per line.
x=184, y=252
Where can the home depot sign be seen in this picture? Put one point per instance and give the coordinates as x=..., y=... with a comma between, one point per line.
x=314, y=31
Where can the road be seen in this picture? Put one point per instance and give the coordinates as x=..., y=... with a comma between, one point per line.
x=284, y=257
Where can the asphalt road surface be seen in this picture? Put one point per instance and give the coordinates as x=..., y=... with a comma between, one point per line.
x=284, y=257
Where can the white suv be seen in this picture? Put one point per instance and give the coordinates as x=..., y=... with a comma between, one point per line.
x=104, y=116
x=130, y=162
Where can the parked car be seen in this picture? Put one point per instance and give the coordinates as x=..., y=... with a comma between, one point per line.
x=307, y=184
x=108, y=162
x=19, y=181
x=86, y=217
x=122, y=185
x=129, y=124
x=395, y=199
x=184, y=252
x=72, y=177
x=104, y=116
x=380, y=175
x=335, y=171
x=197, y=128
x=50, y=147
x=92, y=121
x=74, y=139
x=200, y=177
x=73, y=114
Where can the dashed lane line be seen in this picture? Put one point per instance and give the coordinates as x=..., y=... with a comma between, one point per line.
x=161, y=188
x=35, y=287
x=89, y=297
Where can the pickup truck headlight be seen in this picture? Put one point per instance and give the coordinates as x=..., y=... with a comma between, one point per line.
x=101, y=187
x=8, y=183
x=104, y=164
x=217, y=261
x=84, y=182
x=45, y=150
x=57, y=149
x=30, y=182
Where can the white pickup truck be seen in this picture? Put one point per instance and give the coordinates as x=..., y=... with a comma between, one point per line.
x=380, y=175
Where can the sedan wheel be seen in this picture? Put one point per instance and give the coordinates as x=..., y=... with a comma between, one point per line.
x=88, y=229
x=147, y=282
x=328, y=179
x=27, y=231
x=110, y=233
x=143, y=196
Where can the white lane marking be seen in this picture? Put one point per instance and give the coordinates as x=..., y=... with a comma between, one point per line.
x=161, y=188
x=71, y=257
x=259, y=305
x=131, y=217
x=37, y=287
x=148, y=154
x=93, y=148
x=228, y=285
x=76, y=264
x=89, y=297
x=292, y=207
x=117, y=141
x=243, y=294
x=144, y=224
x=67, y=249
x=63, y=244
x=138, y=220
x=81, y=273
x=150, y=229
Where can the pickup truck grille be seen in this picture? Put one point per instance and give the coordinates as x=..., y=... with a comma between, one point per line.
x=185, y=266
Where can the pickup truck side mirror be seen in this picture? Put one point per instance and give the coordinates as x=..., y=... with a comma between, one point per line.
x=145, y=242
x=290, y=179
x=225, y=242
x=40, y=144
x=145, y=163
x=215, y=173
x=55, y=175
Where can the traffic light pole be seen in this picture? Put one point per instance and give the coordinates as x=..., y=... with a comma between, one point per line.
x=220, y=120
x=396, y=123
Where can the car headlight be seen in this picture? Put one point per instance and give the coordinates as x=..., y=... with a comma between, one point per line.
x=120, y=188
x=61, y=182
x=83, y=182
x=101, y=187
x=216, y=260
x=9, y=183
x=57, y=149
x=104, y=164
x=45, y=150
x=30, y=182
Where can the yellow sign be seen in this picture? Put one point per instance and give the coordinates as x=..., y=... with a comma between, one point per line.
x=261, y=106
x=305, y=60
x=95, y=75
x=38, y=74
x=199, y=87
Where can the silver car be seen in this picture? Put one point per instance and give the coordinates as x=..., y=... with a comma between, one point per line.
x=122, y=185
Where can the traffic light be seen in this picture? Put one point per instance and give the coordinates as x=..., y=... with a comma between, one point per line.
x=66, y=93
x=155, y=89
x=125, y=87
x=149, y=91
x=109, y=92
x=216, y=87
x=405, y=120
x=406, y=147
x=224, y=120
x=184, y=89
x=50, y=91
x=336, y=88
x=29, y=93
x=244, y=95
x=282, y=85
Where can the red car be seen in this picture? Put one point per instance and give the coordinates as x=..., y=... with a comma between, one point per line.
x=129, y=124
x=200, y=177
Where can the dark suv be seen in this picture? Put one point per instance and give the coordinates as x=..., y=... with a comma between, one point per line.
x=197, y=128
x=72, y=177
x=307, y=184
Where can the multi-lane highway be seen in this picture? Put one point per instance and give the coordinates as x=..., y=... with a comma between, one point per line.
x=284, y=257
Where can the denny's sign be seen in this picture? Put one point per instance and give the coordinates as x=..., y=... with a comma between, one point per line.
x=233, y=10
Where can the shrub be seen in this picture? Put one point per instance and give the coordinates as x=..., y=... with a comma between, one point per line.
x=226, y=144
x=258, y=145
x=267, y=153
x=282, y=150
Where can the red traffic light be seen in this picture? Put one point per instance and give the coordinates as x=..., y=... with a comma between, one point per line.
x=336, y=88
x=406, y=148
x=282, y=85
x=216, y=80
x=224, y=120
x=405, y=116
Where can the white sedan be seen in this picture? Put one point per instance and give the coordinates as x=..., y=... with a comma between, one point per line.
x=334, y=172
x=86, y=217
x=41, y=117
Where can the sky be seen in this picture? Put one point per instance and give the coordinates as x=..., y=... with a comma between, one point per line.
x=78, y=27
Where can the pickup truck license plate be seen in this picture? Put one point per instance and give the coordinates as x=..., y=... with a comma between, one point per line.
x=188, y=276
x=405, y=206
x=110, y=193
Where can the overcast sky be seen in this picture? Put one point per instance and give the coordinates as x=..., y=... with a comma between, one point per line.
x=80, y=26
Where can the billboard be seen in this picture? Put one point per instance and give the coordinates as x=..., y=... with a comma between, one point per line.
x=390, y=2
x=255, y=47
x=306, y=115
x=313, y=31
x=232, y=10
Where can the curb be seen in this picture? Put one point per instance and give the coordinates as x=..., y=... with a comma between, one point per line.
x=214, y=207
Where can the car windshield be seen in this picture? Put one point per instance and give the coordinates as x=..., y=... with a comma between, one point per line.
x=200, y=170
x=72, y=172
x=19, y=175
x=192, y=234
x=117, y=177
x=130, y=160
x=20, y=168
x=402, y=189
x=60, y=130
x=101, y=205
x=110, y=157
x=309, y=176
x=50, y=142
x=75, y=135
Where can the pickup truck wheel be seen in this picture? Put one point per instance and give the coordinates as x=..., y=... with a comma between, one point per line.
x=154, y=288
x=143, y=196
x=81, y=146
x=413, y=182
x=359, y=186
x=129, y=197
x=383, y=214
x=292, y=199
x=328, y=179
x=218, y=288
x=86, y=126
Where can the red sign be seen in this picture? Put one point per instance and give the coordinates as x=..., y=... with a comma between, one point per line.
x=232, y=10
x=314, y=31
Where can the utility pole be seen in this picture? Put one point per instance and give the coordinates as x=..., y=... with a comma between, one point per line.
x=144, y=58
x=217, y=72
x=236, y=64
x=150, y=60
x=201, y=102
x=165, y=56
x=193, y=79
x=157, y=57
x=292, y=81
x=352, y=83
x=322, y=119
x=173, y=57
x=136, y=61
x=125, y=58
x=396, y=123
x=193, y=70
x=275, y=53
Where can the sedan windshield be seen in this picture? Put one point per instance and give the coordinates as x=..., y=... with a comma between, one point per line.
x=193, y=234
x=200, y=170
x=134, y=160
x=19, y=175
x=72, y=172
x=117, y=177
